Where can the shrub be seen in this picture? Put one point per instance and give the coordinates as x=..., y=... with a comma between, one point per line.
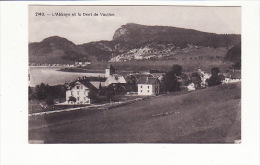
x=49, y=100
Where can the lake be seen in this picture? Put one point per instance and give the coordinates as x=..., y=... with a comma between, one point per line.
x=51, y=76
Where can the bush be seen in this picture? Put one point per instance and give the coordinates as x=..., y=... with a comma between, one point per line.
x=214, y=80
x=49, y=100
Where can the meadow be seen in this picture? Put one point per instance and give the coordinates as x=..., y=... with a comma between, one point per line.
x=205, y=58
x=211, y=115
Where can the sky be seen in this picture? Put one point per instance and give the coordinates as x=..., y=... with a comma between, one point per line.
x=84, y=29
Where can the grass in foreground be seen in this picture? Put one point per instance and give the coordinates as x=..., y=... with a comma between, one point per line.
x=210, y=115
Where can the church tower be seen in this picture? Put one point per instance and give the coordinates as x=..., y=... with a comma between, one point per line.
x=110, y=70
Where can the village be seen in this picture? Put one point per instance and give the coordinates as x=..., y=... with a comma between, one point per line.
x=112, y=87
x=77, y=64
x=146, y=84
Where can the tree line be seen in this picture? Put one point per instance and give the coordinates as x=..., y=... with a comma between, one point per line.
x=47, y=93
x=170, y=82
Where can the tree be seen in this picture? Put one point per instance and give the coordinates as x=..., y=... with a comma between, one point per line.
x=120, y=89
x=42, y=91
x=195, y=74
x=131, y=83
x=237, y=66
x=49, y=100
x=30, y=93
x=176, y=69
x=215, y=71
x=110, y=92
x=170, y=83
x=214, y=79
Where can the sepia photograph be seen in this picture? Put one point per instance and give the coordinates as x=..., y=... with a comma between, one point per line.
x=134, y=74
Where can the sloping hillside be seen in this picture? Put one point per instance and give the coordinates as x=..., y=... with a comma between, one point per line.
x=128, y=41
x=55, y=49
x=234, y=54
x=210, y=115
x=138, y=34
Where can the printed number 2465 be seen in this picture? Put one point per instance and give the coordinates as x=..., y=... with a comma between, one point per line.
x=39, y=14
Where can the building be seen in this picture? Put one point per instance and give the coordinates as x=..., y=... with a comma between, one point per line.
x=78, y=92
x=204, y=77
x=231, y=77
x=148, y=86
x=191, y=87
x=158, y=75
x=109, y=78
x=80, y=63
x=110, y=70
x=112, y=78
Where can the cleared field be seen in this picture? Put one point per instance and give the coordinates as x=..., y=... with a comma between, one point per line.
x=164, y=65
x=210, y=115
x=205, y=58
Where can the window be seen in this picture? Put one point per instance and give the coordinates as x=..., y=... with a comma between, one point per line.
x=84, y=92
x=148, y=91
x=81, y=87
x=141, y=86
x=148, y=87
x=84, y=98
x=77, y=87
x=141, y=91
x=78, y=98
x=71, y=93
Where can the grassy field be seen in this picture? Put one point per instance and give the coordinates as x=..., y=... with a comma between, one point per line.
x=164, y=65
x=211, y=115
x=204, y=57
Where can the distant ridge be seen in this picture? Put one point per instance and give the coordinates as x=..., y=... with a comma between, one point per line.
x=128, y=37
x=138, y=34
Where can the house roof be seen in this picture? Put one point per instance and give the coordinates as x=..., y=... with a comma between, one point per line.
x=138, y=76
x=234, y=75
x=157, y=74
x=146, y=80
x=221, y=76
x=96, y=84
x=114, y=79
x=101, y=79
x=84, y=82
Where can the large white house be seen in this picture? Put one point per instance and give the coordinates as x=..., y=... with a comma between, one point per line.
x=148, y=86
x=78, y=92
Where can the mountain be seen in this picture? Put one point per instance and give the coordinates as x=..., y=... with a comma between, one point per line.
x=139, y=34
x=55, y=49
x=130, y=41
